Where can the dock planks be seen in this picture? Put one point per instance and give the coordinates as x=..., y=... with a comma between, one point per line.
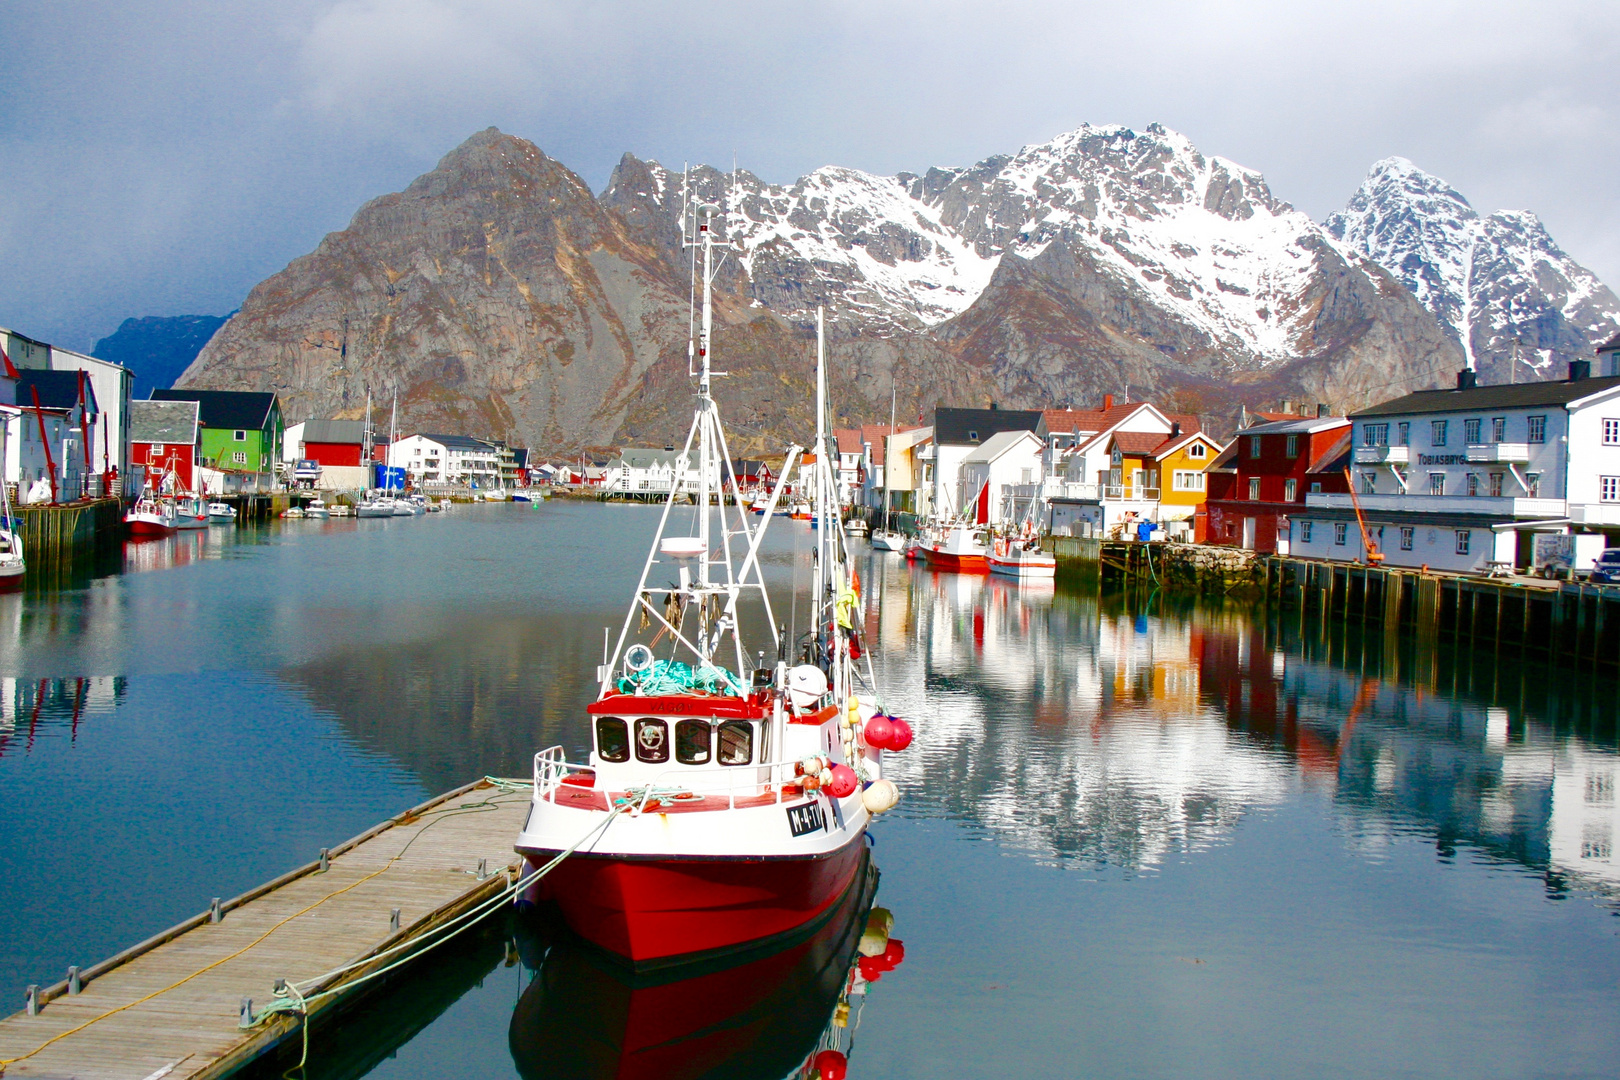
x=423, y=862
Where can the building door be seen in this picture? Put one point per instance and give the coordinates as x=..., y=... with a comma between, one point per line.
x=1248, y=533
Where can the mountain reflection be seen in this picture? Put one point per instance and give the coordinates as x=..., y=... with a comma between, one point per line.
x=1096, y=729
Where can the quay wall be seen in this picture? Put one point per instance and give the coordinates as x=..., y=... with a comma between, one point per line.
x=1570, y=623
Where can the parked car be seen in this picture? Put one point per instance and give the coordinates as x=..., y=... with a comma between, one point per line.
x=1606, y=569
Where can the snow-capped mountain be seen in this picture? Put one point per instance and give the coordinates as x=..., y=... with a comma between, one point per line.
x=1201, y=238
x=1511, y=298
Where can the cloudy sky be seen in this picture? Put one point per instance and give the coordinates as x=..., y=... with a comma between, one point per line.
x=159, y=158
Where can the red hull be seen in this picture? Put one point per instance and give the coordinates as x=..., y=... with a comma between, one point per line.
x=148, y=528
x=967, y=564
x=653, y=911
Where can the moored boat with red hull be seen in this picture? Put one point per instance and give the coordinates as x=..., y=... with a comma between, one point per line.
x=726, y=796
x=958, y=548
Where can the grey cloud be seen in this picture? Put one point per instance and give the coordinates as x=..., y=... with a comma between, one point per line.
x=164, y=157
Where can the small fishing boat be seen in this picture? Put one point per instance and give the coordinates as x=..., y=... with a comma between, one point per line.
x=959, y=547
x=887, y=541
x=855, y=526
x=189, y=512
x=375, y=506
x=12, y=563
x=721, y=807
x=437, y=507
x=149, y=518
x=293, y=512
x=317, y=508
x=1021, y=558
x=519, y=495
x=221, y=513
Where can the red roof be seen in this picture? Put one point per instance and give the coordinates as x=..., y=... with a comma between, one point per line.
x=850, y=440
x=1138, y=442
x=677, y=705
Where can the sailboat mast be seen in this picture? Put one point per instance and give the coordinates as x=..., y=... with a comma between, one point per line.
x=823, y=518
x=705, y=405
x=888, y=449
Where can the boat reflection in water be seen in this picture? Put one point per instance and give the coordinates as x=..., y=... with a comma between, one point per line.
x=782, y=1010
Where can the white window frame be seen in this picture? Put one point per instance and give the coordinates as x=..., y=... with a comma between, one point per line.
x=239, y=457
x=1437, y=483
x=1373, y=435
x=1498, y=429
x=1472, y=429
x=1341, y=533
x=1464, y=540
x=1609, y=489
x=1437, y=432
x=240, y=435
x=1408, y=532
x=1254, y=489
x=1196, y=450
x=1611, y=431
x=1537, y=426
x=1290, y=489
x=1305, y=532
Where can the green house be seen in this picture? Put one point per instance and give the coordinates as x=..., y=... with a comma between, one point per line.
x=241, y=431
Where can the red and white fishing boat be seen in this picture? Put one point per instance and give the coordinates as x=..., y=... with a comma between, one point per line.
x=959, y=546
x=149, y=518
x=12, y=564
x=1021, y=557
x=725, y=797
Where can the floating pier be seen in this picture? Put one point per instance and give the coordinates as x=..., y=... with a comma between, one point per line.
x=194, y=1001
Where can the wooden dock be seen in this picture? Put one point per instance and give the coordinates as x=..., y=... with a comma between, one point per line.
x=172, y=1006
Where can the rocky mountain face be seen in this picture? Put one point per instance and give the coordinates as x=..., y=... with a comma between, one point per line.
x=497, y=295
x=1505, y=292
x=158, y=349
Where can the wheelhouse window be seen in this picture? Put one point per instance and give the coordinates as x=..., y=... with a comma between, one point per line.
x=612, y=739
x=692, y=739
x=652, y=741
x=736, y=742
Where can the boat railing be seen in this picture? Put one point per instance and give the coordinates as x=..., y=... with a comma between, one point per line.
x=552, y=769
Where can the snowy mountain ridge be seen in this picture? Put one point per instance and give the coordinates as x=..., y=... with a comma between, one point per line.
x=1511, y=298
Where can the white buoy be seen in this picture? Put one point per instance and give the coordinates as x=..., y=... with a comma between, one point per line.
x=879, y=796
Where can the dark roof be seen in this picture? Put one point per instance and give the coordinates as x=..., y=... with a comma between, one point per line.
x=163, y=421
x=57, y=389
x=1295, y=425
x=228, y=409
x=1612, y=343
x=458, y=442
x=1511, y=396
x=951, y=426
x=335, y=431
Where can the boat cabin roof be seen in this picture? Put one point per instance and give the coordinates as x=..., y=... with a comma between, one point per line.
x=678, y=705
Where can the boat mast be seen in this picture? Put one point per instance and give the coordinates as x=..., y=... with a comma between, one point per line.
x=888, y=448
x=705, y=403
x=819, y=501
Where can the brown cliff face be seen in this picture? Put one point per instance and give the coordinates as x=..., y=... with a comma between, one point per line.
x=496, y=296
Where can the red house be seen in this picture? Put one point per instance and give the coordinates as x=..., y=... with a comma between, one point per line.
x=1266, y=474
x=163, y=438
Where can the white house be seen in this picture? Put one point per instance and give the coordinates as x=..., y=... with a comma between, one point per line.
x=110, y=384
x=458, y=460
x=991, y=473
x=1108, y=474
x=958, y=433
x=1458, y=478
x=646, y=470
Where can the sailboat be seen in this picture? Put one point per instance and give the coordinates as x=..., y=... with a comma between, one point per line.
x=725, y=797
x=885, y=539
x=378, y=503
x=12, y=563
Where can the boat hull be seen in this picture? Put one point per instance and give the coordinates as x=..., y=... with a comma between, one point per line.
x=11, y=574
x=657, y=911
x=1023, y=568
x=148, y=526
x=882, y=541
x=960, y=561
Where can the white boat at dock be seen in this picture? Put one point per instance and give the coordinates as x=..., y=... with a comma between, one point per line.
x=1021, y=558
x=317, y=508
x=221, y=513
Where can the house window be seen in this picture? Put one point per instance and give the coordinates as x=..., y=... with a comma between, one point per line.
x=1609, y=488
x=1473, y=484
x=1290, y=489
x=1254, y=489
x=1471, y=432
x=240, y=436
x=1254, y=446
x=1499, y=429
x=1538, y=429
x=1187, y=480
x=1462, y=541
x=1403, y=432
x=1341, y=530
x=1316, y=487
x=1532, y=485
x=973, y=436
x=1406, y=537
x=240, y=457
x=156, y=453
x=1371, y=435
x=1369, y=483
x=1196, y=450
x=1118, y=457
x=1305, y=532
x=1437, y=432
x=1611, y=432
x=1496, y=485
x=1292, y=449
x=1437, y=483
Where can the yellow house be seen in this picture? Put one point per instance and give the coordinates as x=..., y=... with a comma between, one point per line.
x=1183, y=461
x=1162, y=474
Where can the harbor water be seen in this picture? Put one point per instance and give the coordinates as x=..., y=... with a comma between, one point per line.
x=1140, y=836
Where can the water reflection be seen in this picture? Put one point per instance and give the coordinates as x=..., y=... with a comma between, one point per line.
x=1109, y=730
x=32, y=709
x=769, y=1016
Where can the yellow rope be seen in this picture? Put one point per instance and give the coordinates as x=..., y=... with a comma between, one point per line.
x=225, y=959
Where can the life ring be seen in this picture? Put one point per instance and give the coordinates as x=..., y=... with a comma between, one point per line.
x=637, y=658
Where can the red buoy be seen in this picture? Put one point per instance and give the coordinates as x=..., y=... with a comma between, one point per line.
x=878, y=731
x=894, y=952
x=871, y=968
x=844, y=781
x=899, y=734
x=832, y=1065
